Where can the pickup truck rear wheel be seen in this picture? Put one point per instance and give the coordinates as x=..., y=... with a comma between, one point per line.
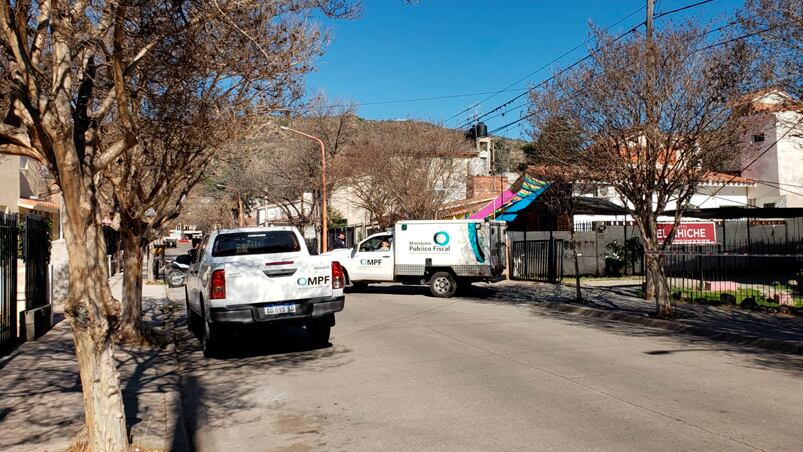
x=192, y=319
x=210, y=336
x=442, y=285
x=210, y=340
x=319, y=331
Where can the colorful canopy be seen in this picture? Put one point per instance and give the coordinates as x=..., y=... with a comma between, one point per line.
x=513, y=200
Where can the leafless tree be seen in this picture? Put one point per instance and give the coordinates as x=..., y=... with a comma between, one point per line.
x=207, y=210
x=653, y=117
x=281, y=168
x=406, y=169
x=149, y=185
x=85, y=76
x=775, y=28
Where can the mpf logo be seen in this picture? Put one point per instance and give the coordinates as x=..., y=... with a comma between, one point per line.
x=370, y=261
x=313, y=281
x=441, y=238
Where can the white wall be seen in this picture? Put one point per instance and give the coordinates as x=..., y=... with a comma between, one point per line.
x=272, y=213
x=790, y=158
x=724, y=196
x=9, y=183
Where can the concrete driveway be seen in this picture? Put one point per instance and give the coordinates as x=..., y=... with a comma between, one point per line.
x=409, y=372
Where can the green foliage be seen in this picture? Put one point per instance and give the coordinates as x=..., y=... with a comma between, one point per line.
x=335, y=218
x=21, y=238
x=618, y=255
x=715, y=297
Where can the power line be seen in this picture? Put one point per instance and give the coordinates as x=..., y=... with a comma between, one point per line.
x=695, y=51
x=769, y=184
x=634, y=28
x=542, y=67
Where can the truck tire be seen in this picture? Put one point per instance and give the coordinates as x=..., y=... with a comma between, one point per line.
x=442, y=285
x=192, y=319
x=210, y=338
x=319, y=331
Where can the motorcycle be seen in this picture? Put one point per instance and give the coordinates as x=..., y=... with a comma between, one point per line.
x=178, y=271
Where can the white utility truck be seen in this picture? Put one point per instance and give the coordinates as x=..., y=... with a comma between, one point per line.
x=445, y=254
x=257, y=276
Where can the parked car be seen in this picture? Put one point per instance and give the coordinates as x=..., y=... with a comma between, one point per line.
x=258, y=276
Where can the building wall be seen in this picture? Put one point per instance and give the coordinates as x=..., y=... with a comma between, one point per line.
x=9, y=183
x=790, y=158
x=766, y=167
x=722, y=196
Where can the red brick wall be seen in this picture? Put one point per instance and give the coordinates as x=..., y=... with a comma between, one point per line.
x=486, y=186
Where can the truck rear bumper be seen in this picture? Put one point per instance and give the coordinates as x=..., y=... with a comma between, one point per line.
x=255, y=313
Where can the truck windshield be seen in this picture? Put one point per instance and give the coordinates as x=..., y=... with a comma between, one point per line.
x=243, y=243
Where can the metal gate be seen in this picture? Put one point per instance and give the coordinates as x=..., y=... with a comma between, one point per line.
x=538, y=260
x=36, y=253
x=8, y=280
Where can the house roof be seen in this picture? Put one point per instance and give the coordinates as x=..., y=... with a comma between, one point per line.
x=718, y=178
x=38, y=204
x=712, y=178
x=735, y=212
x=464, y=206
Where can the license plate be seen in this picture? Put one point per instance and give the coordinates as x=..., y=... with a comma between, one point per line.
x=279, y=309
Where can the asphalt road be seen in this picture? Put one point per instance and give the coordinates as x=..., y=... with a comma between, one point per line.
x=409, y=372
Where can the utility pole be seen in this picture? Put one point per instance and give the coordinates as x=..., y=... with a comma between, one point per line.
x=323, y=243
x=650, y=14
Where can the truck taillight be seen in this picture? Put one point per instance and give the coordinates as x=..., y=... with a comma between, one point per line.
x=217, y=286
x=338, y=278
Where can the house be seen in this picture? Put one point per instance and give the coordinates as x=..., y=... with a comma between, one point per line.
x=773, y=155
x=25, y=187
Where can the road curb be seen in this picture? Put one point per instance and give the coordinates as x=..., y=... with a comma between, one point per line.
x=181, y=440
x=669, y=325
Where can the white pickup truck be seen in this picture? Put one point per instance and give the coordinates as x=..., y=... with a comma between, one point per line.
x=445, y=254
x=261, y=275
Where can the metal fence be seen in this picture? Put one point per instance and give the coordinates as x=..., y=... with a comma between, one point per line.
x=36, y=253
x=8, y=280
x=735, y=278
x=537, y=260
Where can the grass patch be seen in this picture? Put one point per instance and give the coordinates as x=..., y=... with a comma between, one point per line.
x=712, y=297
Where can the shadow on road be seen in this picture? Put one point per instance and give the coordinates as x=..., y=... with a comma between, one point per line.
x=224, y=391
x=733, y=322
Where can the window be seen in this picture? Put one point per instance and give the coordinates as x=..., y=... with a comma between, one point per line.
x=374, y=244
x=758, y=138
x=246, y=243
x=199, y=254
x=769, y=205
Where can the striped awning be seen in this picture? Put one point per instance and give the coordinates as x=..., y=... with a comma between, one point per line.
x=512, y=201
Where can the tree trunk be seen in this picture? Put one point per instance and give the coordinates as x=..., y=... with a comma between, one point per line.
x=663, y=304
x=131, y=319
x=92, y=313
x=649, y=282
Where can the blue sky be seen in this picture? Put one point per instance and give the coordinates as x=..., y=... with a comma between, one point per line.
x=449, y=47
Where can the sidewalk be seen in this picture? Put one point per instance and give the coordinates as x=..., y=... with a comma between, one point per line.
x=41, y=407
x=731, y=324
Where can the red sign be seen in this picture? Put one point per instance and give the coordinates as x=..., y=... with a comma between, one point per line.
x=689, y=233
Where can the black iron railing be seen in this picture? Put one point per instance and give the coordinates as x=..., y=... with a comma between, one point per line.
x=8, y=280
